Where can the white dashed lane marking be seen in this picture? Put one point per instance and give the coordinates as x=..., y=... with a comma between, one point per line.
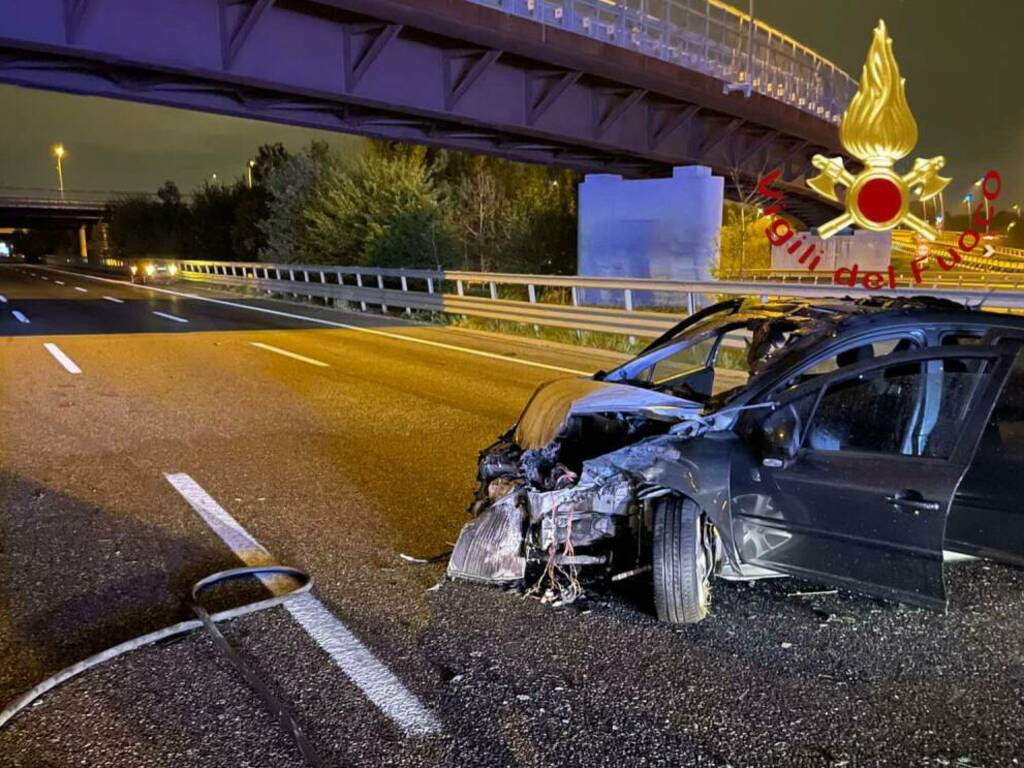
x=81, y=290
x=292, y=355
x=175, y=318
x=19, y=316
x=375, y=680
x=116, y=301
x=60, y=357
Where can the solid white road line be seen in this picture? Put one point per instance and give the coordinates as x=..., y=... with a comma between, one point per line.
x=80, y=289
x=116, y=301
x=60, y=357
x=346, y=326
x=374, y=679
x=175, y=318
x=292, y=355
x=19, y=316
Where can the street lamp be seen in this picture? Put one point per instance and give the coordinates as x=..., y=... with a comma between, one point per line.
x=57, y=150
x=924, y=203
x=248, y=172
x=978, y=183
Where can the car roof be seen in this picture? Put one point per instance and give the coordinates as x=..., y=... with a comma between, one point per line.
x=817, y=322
x=842, y=315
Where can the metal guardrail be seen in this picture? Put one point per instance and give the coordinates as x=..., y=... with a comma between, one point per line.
x=966, y=275
x=952, y=238
x=708, y=36
x=538, y=300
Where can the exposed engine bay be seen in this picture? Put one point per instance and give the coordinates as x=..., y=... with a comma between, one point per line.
x=567, y=488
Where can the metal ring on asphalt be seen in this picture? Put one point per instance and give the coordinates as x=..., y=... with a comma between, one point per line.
x=30, y=697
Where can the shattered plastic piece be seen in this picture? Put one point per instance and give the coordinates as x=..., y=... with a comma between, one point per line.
x=490, y=547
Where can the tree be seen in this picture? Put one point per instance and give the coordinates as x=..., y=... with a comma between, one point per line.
x=149, y=226
x=382, y=211
x=511, y=216
x=214, y=208
x=743, y=245
x=269, y=157
x=289, y=185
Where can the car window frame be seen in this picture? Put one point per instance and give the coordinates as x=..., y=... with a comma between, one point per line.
x=646, y=361
x=1002, y=353
x=917, y=335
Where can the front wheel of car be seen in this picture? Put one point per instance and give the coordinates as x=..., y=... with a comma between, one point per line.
x=683, y=560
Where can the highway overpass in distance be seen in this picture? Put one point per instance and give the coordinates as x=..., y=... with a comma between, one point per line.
x=625, y=87
x=26, y=210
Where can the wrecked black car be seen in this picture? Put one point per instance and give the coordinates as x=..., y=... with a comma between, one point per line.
x=855, y=443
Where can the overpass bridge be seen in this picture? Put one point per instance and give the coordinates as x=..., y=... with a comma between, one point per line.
x=36, y=209
x=626, y=86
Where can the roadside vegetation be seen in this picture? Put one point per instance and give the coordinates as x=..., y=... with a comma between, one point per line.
x=393, y=205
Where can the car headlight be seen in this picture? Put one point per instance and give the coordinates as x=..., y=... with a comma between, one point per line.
x=150, y=270
x=134, y=269
x=173, y=269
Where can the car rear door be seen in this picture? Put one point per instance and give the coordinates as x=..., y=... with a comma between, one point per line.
x=882, y=447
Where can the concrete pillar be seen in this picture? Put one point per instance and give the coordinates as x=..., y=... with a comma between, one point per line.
x=83, y=243
x=665, y=229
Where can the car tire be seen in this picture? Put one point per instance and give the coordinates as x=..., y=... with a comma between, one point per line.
x=680, y=560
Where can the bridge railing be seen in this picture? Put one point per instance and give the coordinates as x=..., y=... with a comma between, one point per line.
x=602, y=305
x=708, y=36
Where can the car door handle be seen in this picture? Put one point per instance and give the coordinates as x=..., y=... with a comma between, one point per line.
x=912, y=500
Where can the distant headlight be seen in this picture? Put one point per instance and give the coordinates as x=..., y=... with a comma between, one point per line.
x=173, y=269
x=150, y=270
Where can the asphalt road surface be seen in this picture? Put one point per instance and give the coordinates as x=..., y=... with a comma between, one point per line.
x=159, y=438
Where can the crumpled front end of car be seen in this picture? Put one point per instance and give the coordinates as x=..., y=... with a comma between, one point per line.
x=561, y=499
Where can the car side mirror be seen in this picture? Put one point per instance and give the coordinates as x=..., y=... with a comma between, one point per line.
x=780, y=436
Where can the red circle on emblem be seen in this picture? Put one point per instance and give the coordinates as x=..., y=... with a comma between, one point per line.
x=880, y=200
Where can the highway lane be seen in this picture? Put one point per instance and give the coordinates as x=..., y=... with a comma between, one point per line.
x=336, y=468
x=256, y=429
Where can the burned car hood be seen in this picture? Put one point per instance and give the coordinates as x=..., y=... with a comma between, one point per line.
x=553, y=403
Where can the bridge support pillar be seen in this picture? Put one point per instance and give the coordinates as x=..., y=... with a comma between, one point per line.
x=664, y=229
x=83, y=243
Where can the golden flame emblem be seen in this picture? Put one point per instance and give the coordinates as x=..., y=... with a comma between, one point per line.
x=878, y=128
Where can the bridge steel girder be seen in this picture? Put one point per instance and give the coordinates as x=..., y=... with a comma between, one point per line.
x=439, y=72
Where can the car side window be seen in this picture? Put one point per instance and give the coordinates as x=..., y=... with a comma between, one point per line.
x=685, y=360
x=1002, y=443
x=909, y=409
x=853, y=355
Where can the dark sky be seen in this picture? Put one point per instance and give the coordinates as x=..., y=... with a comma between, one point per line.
x=964, y=65
x=963, y=60
x=119, y=145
